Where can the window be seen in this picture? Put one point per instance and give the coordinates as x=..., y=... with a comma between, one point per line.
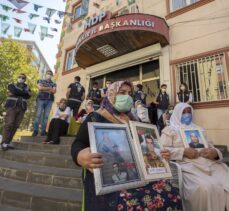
x=77, y=11
x=178, y=4
x=206, y=78
x=70, y=59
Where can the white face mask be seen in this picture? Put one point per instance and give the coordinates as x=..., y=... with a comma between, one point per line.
x=182, y=88
x=94, y=88
x=48, y=77
x=20, y=80
x=163, y=90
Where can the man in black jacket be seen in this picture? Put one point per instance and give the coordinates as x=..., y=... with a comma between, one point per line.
x=16, y=105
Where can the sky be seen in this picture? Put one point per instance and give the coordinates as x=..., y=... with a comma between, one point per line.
x=48, y=46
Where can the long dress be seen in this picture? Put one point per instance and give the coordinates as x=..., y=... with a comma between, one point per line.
x=205, y=182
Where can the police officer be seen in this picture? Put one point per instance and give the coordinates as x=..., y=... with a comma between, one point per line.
x=95, y=95
x=75, y=95
x=184, y=96
x=16, y=105
x=139, y=95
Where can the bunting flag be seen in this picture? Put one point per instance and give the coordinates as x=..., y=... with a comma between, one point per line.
x=50, y=36
x=57, y=21
x=32, y=27
x=4, y=17
x=19, y=11
x=50, y=12
x=46, y=19
x=44, y=30
x=54, y=29
x=18, y=20
x=36, y=7
x=31, y=16
x=26, y=30
x=42, y=36
x=5, y=7
x=61, y=14
x=17, y=31
x=18, y=3
x=5, y=27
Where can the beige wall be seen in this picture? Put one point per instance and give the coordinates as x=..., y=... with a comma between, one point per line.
x=197, y=31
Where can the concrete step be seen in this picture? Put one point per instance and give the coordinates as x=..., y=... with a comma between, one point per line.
x=38, y=197
x=39, y=147
x=11, y=209
x=38, y=158
x=58, y=177
x=66, y=140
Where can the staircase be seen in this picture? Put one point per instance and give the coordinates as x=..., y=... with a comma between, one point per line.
x=39, y=177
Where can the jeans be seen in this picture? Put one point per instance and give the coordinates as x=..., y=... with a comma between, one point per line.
x=42, y=106
x=160, y=112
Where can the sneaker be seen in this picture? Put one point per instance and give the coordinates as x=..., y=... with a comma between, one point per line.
x=4, y=147
x=43, y=134
x=35, y=133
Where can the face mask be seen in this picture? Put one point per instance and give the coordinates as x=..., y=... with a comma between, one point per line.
x=170, y=112
x=20, y=80
x=107, y=85
x=186, y=119
x=123, y=103
x=48, y=77
x=163, y=90
x=182, y=88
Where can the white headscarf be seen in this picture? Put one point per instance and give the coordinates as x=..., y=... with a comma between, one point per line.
x=175, y=120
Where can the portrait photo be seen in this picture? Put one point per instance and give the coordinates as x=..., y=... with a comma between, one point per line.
x=148, y=145
x=193, y=138
x=120, y=167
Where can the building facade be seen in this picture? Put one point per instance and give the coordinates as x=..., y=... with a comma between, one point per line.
x=152, y=42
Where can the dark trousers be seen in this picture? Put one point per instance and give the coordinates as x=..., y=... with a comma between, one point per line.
x=13, y=119
x=57, y=128
x=74, y=106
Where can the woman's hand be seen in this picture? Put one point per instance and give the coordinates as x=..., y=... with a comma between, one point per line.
x=165, y=153
x=209, y=153
x=191, y=153
x=89, y=160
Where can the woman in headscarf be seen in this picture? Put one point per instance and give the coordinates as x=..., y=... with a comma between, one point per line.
x=205, y=177
x=158, y=195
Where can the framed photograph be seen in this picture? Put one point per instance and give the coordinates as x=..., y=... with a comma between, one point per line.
x=121, y=169
x=147, y=143
x=193, y=138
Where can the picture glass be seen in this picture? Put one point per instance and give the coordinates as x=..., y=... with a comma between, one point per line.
x=119, y=164
x=194, y=138
x=150, y=150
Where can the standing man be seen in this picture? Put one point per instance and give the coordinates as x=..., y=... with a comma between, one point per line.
x=45, y=98
x=16, y=105
x=95, y=95
x=75, y=95
x=162, y=101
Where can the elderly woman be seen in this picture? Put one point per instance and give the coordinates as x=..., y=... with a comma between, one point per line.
x=81, y=116
x=59, y=123
x=158, y=195
x=205, y=178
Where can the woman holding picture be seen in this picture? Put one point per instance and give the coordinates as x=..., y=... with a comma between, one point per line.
x=205, y=177
x=158, y=195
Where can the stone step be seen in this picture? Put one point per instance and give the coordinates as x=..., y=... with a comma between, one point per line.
x=38, y=197
x=58, y=177
x=39, y=147
x=66, y=140
x=38, y=158
x=11, y=209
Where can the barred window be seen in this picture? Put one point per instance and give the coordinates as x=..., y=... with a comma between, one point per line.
x=206, y=78
x=178, y=4
x=70, y=59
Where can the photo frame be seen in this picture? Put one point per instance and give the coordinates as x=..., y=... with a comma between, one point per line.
x=147, y=143
x=121, y=169
x=193, y=138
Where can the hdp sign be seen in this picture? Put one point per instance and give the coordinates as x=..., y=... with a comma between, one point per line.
x=94, y=20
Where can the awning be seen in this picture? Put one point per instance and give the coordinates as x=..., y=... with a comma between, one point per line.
x=119, y=36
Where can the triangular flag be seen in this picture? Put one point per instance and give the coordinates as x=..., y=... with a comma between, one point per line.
x=50, y=36
x=5, y=7
x=36, y=7
x=57, y=22
x=46, y=19
x=26, y=30
x=61, y=14
x=18, y=11
x=44, y=30
x=31, y=16
x=17, y=31
x=19, y=3
x=18, y=20
x=32, y=27
x=50, y=12
x=5, y=27
x=4, y=17
x=42, y=36
x=54, y=29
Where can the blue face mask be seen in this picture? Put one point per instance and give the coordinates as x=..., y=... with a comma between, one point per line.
x=186, y=119
x=123, y=103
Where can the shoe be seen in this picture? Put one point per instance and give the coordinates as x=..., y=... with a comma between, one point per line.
x=10, y=147
x=4, y=147
x=43, y=134
x=35, y=133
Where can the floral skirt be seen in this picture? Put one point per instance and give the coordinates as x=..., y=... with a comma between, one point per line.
x=156, y=196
